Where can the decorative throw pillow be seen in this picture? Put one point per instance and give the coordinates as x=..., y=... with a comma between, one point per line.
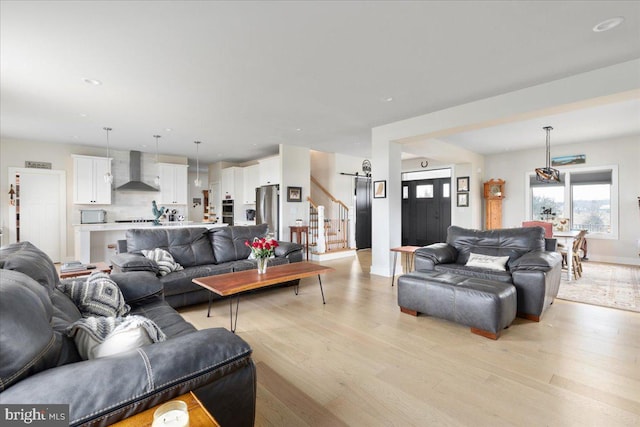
x=496, y=263
x=165, y=261
x=98, y=295
x=97, y=337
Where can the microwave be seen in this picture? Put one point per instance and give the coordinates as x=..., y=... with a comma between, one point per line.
x=93, y=216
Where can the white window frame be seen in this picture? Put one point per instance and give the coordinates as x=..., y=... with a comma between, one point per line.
x=568, y=208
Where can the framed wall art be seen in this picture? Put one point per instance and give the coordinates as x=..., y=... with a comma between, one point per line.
x=463, y=184
x=463, y=200
x=294, y=194
x=379, y=189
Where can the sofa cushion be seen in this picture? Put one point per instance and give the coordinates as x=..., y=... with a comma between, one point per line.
x=480, y=273
x=188, y=245
x=163, y=259
x=179, y=282
x=228, y=243
x=28, y=343
x=138, y=287
x=28, y=259
x=167, y=319
x=511, y=242
x=97, y=295
x=250, y=264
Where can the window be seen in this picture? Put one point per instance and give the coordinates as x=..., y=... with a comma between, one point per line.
x=587, y=196
x=424, y=191
x=591, y=201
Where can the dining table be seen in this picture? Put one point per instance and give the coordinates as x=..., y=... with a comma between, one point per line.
x=567, y=238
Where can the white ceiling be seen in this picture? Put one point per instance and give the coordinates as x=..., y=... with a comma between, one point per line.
x=244, y=76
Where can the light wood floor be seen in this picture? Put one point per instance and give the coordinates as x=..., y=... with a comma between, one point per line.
x=358, y=361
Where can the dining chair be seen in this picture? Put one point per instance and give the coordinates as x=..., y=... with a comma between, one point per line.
x=576, y=259
x=551, y=244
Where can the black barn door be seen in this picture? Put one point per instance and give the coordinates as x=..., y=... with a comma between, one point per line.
x=426, y=211
x=363, y=212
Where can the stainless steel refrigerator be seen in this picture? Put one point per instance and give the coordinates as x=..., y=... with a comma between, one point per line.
x=268, y=207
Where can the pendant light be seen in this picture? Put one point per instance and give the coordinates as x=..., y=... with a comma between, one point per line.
x=197, y=181
x=548, y=174
x=108, y=178
x=156, y=180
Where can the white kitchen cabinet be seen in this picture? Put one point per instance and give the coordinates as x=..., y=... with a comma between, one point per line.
x=251, y=181
x=269, y=170
x=232, y=183
x=89, y=186
x=173, y=184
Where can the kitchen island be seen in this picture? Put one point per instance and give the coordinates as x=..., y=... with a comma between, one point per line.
x=97, y=242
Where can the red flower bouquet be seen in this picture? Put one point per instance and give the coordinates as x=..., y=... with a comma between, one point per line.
x=262, y=248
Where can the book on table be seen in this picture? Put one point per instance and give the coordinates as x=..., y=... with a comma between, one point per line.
x=72, y=266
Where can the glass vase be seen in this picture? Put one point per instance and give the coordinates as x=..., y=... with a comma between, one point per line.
x=262, y=265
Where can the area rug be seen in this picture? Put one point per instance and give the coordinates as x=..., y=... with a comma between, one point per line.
x=608, y=285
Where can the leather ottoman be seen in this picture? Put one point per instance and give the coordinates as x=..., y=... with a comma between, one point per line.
x=486, y=306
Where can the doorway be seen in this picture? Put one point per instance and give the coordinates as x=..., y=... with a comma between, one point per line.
x=363, y=195
x=38, y=213
x=426, y=211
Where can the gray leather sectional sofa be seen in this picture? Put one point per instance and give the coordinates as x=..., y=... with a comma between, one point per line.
x=201, y=252
x=530, y=269
x=40, y=364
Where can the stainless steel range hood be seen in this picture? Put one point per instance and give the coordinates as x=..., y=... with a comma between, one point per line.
x=135, y=183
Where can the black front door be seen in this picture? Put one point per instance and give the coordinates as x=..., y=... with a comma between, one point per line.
x=426, y=211
x=363, y=212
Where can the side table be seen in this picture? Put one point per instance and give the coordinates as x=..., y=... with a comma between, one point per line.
x=299, y=231
x=100, y=266
x=198, y=415
x=408, y=254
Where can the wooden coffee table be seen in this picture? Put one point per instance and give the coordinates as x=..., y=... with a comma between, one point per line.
x=198, y=415
x=230, y=284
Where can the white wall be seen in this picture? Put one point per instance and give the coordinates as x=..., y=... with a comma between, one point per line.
x=296, y=171
x=125, y=205
x=624, y=152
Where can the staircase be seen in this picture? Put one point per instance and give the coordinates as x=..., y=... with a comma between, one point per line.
x=328, y=225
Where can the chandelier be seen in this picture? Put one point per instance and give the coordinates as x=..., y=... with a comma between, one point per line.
x=547, y=173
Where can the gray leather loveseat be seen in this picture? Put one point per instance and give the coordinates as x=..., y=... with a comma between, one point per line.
x=533, y=271
x=201, y=252
x=40, y=364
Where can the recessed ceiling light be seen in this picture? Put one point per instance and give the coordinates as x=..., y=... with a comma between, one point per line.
x=298, y=129
x=93, y=82
x=387, y=99
x=144, y=145
x=168, y=129
x=75, y=137
x=608, y=24
x=82, y=115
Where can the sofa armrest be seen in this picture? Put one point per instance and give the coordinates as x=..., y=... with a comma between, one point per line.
x=138, y=287
x=125, y=262
x=154, y=374
x=438, y=253
x=537, y=260
x=284, y=249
